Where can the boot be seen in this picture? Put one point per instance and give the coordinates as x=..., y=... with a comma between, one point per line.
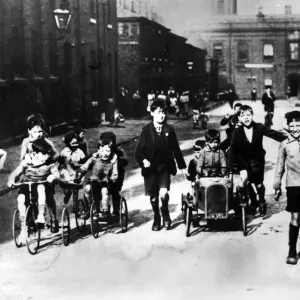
x=293, y=237
x=116, y=204
x=86, y=214
x=165, y=212
x=55, y=226
x=156, y=224
x=262, y=201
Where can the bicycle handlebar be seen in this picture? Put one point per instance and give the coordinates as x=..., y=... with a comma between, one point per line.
x=15, y=185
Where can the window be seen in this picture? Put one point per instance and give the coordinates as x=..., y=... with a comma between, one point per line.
x=294, y=51
x=268, y=51
x=218, y=52
x=294, y=35
x=221, y=7
x=243, y=51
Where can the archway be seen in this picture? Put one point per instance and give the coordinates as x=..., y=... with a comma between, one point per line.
x=293, y=85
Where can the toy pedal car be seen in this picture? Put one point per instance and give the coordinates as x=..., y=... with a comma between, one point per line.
x=213, y=199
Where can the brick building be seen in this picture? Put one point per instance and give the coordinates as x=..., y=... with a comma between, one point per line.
x=253, y=51
x=152, y=57
x=64, y=77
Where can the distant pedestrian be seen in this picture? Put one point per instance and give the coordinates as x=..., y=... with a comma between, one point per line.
x=162, y=96
x=3, y=155
x=150, y=98
x=120, y=102
x=184, y=103
x=137, y=104
x=231, y=98
x=253, y=95
x=155, y=152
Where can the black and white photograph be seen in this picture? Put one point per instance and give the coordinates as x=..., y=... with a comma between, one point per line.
x=149, y=149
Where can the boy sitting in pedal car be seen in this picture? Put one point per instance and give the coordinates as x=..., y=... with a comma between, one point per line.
x=71, y=158
x=104, y=167
x=212, y=160
x=40, y=168
x=122, y=163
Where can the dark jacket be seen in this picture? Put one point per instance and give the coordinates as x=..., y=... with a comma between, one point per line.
x=267, y=101
x=232, y=122
x=146, y=146
x=242, y=151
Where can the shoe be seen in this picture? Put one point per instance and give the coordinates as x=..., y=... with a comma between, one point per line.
x=55, y=227
x=292, y=258
x=262, y=209
x=85, y=216
x=231, y=212
x=40, y=219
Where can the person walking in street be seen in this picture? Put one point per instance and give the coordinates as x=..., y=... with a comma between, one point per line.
x=247, y=153
x=162, y=96
x=137, y=104
x=150, y=98
x=121, y=101
x=288, y=159
x=184, y=103
x=3, y=155
x=268, y=100
x=155, y=151
x=253, y=95
x=231, y=97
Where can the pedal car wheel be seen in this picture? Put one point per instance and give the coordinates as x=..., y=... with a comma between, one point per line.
x=65, y=224
x=94, y=220
x=123, y=215
x=244, y=221
x=16, y=228
x=79, y=211
x=33, y=231
x=188, y=221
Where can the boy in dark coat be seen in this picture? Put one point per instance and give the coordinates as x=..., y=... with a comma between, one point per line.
x=155, y=152
x=247, y=152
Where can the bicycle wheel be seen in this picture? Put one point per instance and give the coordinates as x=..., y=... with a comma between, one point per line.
x=79, y=211
x=33, y=231
x=244, y=221
x=16, y=228
x=65, y=224
x=123, y=215
x=94, y=220
x=188, y=221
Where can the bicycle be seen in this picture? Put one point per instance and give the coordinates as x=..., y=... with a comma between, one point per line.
x=79, y=210
x=96, y=213
x=33, y=229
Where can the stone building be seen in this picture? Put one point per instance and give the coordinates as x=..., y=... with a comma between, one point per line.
x=253, y=51
x=152, y=57
x=63, y=76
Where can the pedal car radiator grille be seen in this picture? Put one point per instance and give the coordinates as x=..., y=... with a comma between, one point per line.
x=216, y=196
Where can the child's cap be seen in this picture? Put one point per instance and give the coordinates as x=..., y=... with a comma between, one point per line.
x=69, y=137
x=212, y=135
x=78, y=129
x=108, y=135
x=198, y=145
x=42, y=146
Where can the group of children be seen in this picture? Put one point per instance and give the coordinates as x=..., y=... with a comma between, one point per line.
x=156, y=151
x=40, y=162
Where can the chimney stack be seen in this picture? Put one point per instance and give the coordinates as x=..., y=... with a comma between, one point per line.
x=288, y=9
x=259, y=12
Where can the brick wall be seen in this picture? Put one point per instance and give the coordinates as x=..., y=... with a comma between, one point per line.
x=41, y=71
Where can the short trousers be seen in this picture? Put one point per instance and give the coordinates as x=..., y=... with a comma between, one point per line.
x=50, y=190
x=154, y=181
x=293, y=199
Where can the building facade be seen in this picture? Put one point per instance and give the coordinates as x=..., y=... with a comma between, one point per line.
x=255, y=51
x=152, y=57
x=63, y=76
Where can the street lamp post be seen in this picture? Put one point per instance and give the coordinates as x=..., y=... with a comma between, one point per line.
x=62, y=17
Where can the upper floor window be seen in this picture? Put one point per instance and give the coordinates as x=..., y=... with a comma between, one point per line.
x=294, y=51
x=295, y=35
x=243, y=51
x=218, y=52
x=221, y=7
x=268, y=51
